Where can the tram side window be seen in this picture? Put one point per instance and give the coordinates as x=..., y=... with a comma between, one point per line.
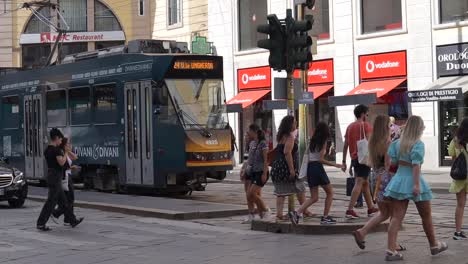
x=56, y=102
x=80, y=106
x=105, y=104
x=163, y=105
x=10, y=112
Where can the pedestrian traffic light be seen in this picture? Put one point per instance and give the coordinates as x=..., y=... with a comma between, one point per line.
x=275, y=43
x=298, y=42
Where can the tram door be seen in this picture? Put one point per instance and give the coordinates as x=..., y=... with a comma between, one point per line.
x=138, y=133
x=34, y=134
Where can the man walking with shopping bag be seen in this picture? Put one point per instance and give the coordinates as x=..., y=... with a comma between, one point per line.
x=356, y=137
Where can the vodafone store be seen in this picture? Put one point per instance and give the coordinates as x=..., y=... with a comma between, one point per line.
x=254, y=86
x=385, y=75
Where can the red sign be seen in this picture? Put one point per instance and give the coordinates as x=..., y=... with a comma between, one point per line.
x=253, y=78
x=383, y=65
x=319, y=72
x=70, y=37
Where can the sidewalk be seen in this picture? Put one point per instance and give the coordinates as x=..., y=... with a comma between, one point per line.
x=147, y=206
x=439, y=181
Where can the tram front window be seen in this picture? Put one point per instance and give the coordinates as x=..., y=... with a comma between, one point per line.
x=199, y=102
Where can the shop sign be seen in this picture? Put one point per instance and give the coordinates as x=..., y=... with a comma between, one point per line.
x=253, y=78
x=382, y=65
x=451, y=94
x=452, y=60
x=319, y=72
x=48, y=37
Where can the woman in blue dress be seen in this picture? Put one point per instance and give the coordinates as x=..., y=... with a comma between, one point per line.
x=407, y=184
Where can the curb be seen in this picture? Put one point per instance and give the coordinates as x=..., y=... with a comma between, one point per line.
x=148, y=212
x=312, y=229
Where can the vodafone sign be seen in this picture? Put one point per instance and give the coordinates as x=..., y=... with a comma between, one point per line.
x=71, y=37
x=383, y=65
x=253, y=78
x=319, y=72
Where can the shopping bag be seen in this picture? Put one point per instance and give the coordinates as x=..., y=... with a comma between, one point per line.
x=363, y=148
x=304, y=165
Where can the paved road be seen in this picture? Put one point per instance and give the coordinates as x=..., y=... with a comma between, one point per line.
x=115, y=238
x=120, y=239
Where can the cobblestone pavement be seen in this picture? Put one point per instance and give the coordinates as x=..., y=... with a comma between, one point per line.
x=116, y=238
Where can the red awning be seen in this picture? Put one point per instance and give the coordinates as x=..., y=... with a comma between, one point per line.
x=248, y=98
x=380, y=88
x=318, y=90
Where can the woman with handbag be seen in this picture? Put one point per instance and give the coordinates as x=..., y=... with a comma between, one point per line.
x=459, y=187
x=408, y=184
x=316, y=175
x=379, y=143
x=284, y=167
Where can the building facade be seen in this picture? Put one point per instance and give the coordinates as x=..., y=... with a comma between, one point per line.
x=26, y=41
x=387, y=47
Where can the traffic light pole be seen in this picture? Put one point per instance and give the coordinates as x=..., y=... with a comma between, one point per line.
x=291, y=112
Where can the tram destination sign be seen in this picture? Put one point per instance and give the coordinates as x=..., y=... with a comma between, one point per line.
x=451, y=94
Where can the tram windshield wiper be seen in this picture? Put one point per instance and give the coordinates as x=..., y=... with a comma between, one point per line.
x=192, y=122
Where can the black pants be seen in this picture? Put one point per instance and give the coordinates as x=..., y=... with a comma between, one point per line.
x=55, y=196
x=70, y=195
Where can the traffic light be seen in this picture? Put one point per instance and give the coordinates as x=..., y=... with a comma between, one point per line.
x=275, y=43
x=298, y=42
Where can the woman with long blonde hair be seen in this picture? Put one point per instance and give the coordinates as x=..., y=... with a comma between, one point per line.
x=407, y=184
x=380, y=161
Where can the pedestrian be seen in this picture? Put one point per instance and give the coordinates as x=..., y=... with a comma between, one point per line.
x=380, y=161
x=316, y=175
x=67, y=182
x=245, y=177
x=395, y=130
x=258, y=171
x=284, y=168
x=55, y=158
x=356, y=131
x=408, y=184
x=457, y=146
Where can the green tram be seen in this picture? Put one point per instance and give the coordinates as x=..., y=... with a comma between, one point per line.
x=143, y=118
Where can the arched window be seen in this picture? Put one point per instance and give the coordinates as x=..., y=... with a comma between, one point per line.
x=104, y=18
x=35, y=25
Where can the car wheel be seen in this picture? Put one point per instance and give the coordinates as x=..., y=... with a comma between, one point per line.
x=16, y=203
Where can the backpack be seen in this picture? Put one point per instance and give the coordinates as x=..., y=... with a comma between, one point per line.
x=459, y=169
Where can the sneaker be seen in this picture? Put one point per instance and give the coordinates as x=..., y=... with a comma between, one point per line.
x=77, y=222
x=249, y=219
x=441, y=247
x=327, y=220
x=459, y=236
x=294, y=217
x=393, y=256
x=351, y=214
x=371, y=212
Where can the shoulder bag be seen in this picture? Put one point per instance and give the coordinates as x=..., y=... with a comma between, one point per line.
x=459, y=170
x=363, y=147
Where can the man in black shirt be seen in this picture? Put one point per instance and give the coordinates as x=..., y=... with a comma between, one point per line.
x=55, y=158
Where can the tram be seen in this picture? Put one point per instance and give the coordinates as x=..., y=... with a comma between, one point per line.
x=139, y=116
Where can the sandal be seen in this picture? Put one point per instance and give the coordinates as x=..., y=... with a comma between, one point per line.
x=441, y=247
x=401, y=248
x=43, y=228
x=360, y=243
x=393, y=256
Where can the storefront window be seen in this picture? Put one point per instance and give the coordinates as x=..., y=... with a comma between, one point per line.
x=37, y=26
x=453, y=10
x=373, y=19
x=251, y=14
x=104, y=19
x=321, y=13
x=450, y=116
x=73, y=48
x=35, y=56
x=74, y=12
